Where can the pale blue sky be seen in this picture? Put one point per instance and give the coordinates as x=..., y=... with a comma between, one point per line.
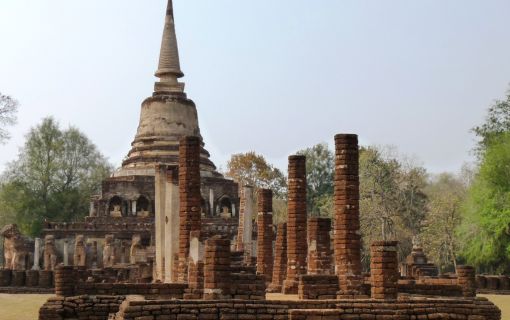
x=270, y=76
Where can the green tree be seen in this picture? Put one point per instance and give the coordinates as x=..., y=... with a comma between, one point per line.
x=8, y=109
x=496, y=122
x=446, y=194
x=53, y=178
x=485, y=229
x=320, y=164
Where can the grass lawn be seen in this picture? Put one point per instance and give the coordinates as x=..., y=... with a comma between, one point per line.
x=26, y=307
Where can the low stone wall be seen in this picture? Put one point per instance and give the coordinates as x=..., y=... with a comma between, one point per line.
x=167, y=290
x=26, y=290
x=80, y=307
x=248, y=286
x=432, y=288
x=493, y=284
x=318, y=287
x=25, y=281
x=468, y=309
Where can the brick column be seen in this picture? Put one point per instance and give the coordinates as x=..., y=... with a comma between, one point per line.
x=265, y=234
x=384, y=269
x=32, y=278
x=18, y=278
x=296, y=225
x=189, y=199
x=280, y=259
x=347, y=225
x=466, y=279
x=46, y=279
x=195, y=268
x=5, y=277
x=217, y=269
x=319, y=246
x=65, y=281
x=245, y=228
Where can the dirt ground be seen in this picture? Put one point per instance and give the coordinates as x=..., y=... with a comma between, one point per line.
x=26, y=307
x=21, y=306
x=503, y=302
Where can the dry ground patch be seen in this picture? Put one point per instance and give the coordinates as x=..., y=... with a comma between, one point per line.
x=503, y=302
x=21, y=306
x=26, y=307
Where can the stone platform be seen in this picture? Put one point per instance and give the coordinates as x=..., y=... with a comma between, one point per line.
x=136, y=308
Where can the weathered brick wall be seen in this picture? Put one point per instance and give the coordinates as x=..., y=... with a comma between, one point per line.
x=318, y=287
x=493, y=284
x=167, y=290
x=479, y=309
x=280, y=259
x=265, y=234
x=65, y=281
x=80, y=307
x=384, y=269
x=413, y=287
x=296, y=224
x=189, y=199
x=319, y=246
x=347, y=224
x=217, y=272
x=248, y=286
x=466, y=279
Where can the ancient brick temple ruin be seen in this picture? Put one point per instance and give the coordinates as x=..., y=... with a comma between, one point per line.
x=154, y=248
x=119, y=234
x=209, y=278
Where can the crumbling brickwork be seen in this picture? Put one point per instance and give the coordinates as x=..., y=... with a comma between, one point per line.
x=248, y=286
x=190, y=199
x=319, y=246
x=18, y=278
x=65, y=281
x=217, y=269
x=280, y=259
x=318, y=287
x=32, y=278
x=5, y=277
x=296, y=224
x=46, y=279
x=384, y=269
x=347, y=225
x=466, y=279
x=265, y=234
x=310, y=310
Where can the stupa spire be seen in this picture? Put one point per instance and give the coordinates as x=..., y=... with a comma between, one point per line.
x=169, y=69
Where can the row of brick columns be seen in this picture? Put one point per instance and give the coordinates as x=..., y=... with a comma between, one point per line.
x=265, y=234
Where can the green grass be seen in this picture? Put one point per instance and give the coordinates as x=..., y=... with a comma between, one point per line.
x=26, y=307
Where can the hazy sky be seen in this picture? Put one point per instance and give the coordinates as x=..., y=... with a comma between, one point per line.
x=273, y=76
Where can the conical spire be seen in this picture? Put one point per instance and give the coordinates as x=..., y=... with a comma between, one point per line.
x=169, y=69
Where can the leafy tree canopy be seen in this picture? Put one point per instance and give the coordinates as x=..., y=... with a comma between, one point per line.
x=497, y=122
x=320, y=164
x=485, y=230
x=254, y=170
x=53, y=178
